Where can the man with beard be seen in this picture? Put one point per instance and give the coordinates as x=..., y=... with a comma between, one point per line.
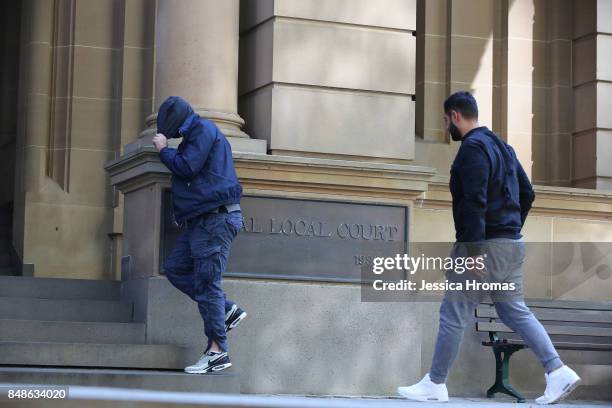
x=491, y=198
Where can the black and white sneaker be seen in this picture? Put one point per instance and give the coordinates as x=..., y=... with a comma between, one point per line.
x=210, y=362
x=234, y=316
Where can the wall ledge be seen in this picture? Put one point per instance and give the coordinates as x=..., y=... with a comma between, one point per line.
x=566, y=202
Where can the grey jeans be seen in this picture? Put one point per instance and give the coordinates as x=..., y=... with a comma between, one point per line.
x=505, y=259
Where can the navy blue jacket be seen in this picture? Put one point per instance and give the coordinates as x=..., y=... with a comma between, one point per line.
x=491, y=192
x=203, y=174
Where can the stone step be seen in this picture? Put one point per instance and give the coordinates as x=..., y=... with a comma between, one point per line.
x=5, y=259
x=226, y=381
x=59, y=288
x=6, y=217
x=79, y=310
x=6, y=271
x=5, y=245
x=143, y=356
x=80, y=332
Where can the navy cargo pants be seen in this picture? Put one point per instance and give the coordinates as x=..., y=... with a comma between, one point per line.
x=196, y=266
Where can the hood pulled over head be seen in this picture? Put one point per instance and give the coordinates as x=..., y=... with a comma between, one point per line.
x=171, y=115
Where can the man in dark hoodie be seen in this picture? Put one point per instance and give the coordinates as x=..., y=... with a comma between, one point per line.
x=206, y=201
x=491, y=198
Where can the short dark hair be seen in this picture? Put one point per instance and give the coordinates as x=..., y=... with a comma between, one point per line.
x=462, y=102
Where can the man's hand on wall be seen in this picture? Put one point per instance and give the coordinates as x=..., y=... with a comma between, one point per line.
x=160, y=141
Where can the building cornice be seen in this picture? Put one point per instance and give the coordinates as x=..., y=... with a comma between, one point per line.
x=550, y=201
x=288, y=173
x=329, y=176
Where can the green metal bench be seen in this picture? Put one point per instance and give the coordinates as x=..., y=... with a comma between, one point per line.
x=572, y=325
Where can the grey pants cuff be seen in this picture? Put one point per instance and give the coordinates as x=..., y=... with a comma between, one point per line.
x=437, y=379
x=553, y=364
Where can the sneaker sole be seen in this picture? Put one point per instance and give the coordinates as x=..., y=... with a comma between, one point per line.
x=567, y=392
x=235, y=322
x=571, y=387
x=420, y=399
x=209, y=369
x=221, y=367
x=228, y=314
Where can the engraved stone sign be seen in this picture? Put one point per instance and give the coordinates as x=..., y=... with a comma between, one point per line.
x=286, y=238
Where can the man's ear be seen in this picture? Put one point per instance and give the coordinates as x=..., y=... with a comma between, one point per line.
x=455, y=116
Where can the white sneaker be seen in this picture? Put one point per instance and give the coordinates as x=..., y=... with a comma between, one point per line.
x=210, y=361
x=559, y=384
x=425, y=391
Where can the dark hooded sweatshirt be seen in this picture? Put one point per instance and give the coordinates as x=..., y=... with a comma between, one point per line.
x=203, y=174
x=491, y=192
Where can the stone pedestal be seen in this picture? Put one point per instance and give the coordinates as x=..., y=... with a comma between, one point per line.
x=141, y=177
x=335, y=189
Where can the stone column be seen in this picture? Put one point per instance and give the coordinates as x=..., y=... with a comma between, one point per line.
x=552, y=154
x=330, y=79
x=196, y=57
x=524, y=80
x=592, y=87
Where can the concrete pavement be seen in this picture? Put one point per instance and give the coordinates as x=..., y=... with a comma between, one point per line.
x=120, y=397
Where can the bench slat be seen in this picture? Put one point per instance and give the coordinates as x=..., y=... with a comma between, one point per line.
x=565, y=315
x=566, y=304
x=563, y=345
x=550, y=329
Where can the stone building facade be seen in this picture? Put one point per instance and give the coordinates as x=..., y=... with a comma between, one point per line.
x=322, y=100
